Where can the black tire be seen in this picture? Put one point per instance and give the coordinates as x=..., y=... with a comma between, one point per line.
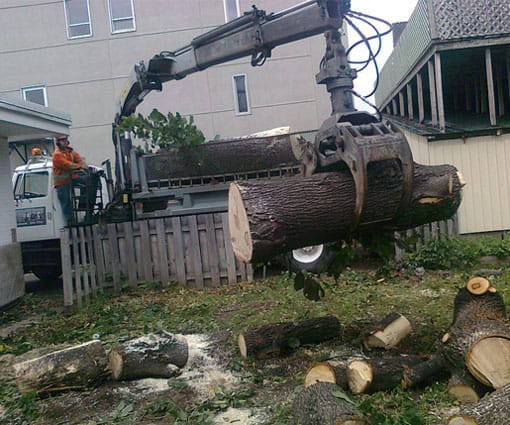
x=314, y=258
x=47, y=273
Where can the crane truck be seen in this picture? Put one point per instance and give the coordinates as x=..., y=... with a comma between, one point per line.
x=145, y=187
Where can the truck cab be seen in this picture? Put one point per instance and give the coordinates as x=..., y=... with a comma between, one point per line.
x=39, y=216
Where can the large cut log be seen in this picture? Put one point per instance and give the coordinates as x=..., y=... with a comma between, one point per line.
x=216, y=158
x=77, y=367
x=493, y=409
x=387, y=332
x=479, y=338
x=155, y=355
x=266, y=218
x=465, y=388
x=369, y=376
x=277, y=339
x=324, y=403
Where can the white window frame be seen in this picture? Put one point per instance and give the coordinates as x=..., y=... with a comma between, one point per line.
x=26, y=89
x=112, y=19
x=225, y=9
x=236, y=94
x=68, y=25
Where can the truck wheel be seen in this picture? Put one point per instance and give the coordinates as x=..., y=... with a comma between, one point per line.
x=46, y=273
x=314, y=258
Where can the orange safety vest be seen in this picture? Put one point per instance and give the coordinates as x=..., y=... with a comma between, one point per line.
x=64, y=163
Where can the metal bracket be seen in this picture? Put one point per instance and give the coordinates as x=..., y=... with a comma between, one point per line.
x=357, y=146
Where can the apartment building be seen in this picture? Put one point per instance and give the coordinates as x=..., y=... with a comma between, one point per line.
x=76, y=55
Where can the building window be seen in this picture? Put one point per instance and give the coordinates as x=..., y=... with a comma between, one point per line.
x=35, y=94
x=231, y=9
x=122, y=15
x=78, y=18
x=241, y=94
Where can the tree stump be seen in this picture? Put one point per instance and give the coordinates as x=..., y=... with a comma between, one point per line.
x=388, y=332
x=76, y=367
x=267, y=218
x=369, y=376
x=493, y=409
x=324, y=403
x=479, y=338
x=158, y=355
x=331, y=371
x=276, y=339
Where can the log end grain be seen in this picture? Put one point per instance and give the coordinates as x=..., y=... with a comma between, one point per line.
x=461, y=420
x=478, y=285
x=320, y=372
x=463, y=393
x=390, y=335
x=241, y=342
x=489, y=361
x=116, y=364
x=359, y=376
x=239, y=225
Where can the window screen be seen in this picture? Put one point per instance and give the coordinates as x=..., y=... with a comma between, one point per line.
x=122, y=15
x=78, y=18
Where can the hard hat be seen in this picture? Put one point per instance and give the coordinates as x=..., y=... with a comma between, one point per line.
x=36, y=151
x=61, y=137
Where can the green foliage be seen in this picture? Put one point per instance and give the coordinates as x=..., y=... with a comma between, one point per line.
x=457, y=253
x=163, y=131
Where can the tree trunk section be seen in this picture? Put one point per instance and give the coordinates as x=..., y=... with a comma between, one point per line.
x=388, y=332
x=423, y=372
x=150, y=356
x=493, y=409
x=479, y=338
x=277, y=339
x=331, y=371
x=465, y=388
x=267, y=218
x=320, y=404
x=236, y=156
x=369, y=376
x=76, y=367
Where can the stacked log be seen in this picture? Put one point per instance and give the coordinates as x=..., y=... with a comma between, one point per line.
x=266, y=218
x=277, y=339
x=387, y=332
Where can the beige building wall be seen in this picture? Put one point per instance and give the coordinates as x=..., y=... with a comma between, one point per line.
x=483, y=161
x=85, y=76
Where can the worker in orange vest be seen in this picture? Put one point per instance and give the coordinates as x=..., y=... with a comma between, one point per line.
x=66, y=164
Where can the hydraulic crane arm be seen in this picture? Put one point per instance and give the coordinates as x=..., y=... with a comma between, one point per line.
x=254, y=34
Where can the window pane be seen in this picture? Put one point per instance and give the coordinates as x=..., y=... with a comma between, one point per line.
x=123, y=25
x=34, y=185
x=35, y=95
x=231, y=9
x=77, y=11
x=121, y=8
x=79, y=30
x=241, y=93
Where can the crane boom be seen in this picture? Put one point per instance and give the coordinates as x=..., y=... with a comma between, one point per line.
x=254, y=34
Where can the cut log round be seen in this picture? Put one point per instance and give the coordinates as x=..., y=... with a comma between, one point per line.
x=76, y=367
x=479, y=338
x=388, y=332
x=155, y=355
x=493, y=409
x=331, y=371
x=465, y=388
x=281, y=338
x=266, y=218
x=368, y=376
x=478, y=285
x=322, y=404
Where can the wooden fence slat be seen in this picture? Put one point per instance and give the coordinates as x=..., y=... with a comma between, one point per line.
x=91, y=259
x=130, y=254
x=178, y=245
x=146, y=257
x=99, y=255
x=212, y=249
x=115, y=256
x=164, y=274
x=67, y=278
x=195, y=252
x=229, y=251
x=83, y=266
x=76, y=266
